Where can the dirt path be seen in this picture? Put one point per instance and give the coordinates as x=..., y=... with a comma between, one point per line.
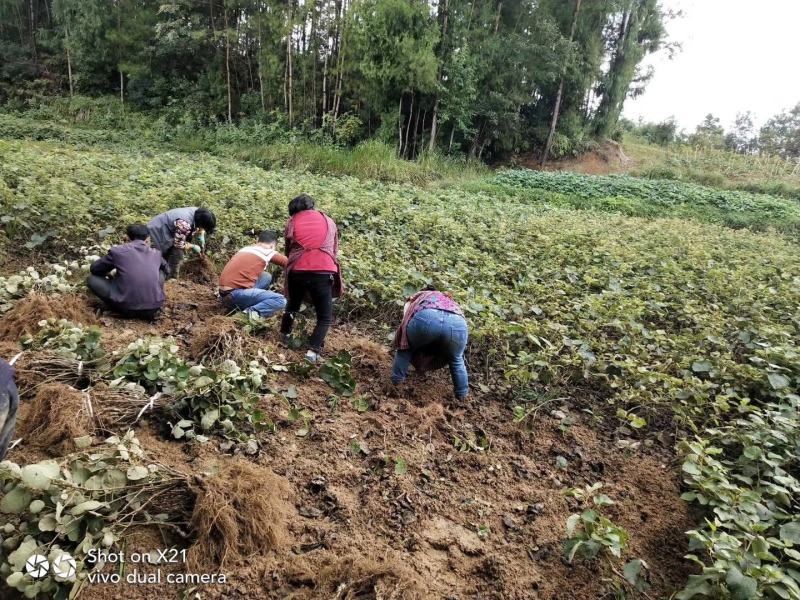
x=357, y=529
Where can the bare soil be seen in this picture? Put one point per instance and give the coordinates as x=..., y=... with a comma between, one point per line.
x=609, y=158
x=339, y=522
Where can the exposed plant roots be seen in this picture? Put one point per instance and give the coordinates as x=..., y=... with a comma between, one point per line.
x=219, y=339
x=199, y=270
x=56, y=415
x=43, y=368
x=239, y=511
x=26, y=314
x=361, y=577
x=117, y=409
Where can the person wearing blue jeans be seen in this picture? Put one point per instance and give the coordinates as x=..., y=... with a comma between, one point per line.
x=259, y=299
x=433, y=334
x=244, y=282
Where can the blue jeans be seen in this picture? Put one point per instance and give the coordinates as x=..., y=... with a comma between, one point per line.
x=436, y=332
x=258, y=299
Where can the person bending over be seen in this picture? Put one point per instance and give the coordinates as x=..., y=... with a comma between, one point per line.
x=9, y=401
x=137, y=289
x=433, y=334
x=178, y=230
x=312, y=245
x=244, y=282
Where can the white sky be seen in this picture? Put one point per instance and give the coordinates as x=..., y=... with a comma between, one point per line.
x=737, y=55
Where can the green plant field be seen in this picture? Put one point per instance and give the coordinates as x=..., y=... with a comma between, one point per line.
x=649, y=319
x=661, y=198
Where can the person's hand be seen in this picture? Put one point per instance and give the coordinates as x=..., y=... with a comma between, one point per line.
x=195, y=248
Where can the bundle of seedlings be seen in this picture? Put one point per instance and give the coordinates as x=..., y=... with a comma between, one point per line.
x=59, y=352
x=34, y=370
x=219, y=339
x=220, y=399
x=117, y=408
x=153, y=363
x=82, y=502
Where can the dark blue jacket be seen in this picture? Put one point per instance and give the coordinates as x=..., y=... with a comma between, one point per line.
x=137, y=285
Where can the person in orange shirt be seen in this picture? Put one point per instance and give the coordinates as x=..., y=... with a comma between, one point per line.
x=245, y=280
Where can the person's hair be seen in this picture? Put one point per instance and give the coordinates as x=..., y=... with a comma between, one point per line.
x=268, y=236
x=205, y=219
x=430, y=288
x=300, y=203
x=137, y=231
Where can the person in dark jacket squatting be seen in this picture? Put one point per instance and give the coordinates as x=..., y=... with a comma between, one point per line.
x=137, y=289
x=178, y=230
x=433, y=334
x=9, y=401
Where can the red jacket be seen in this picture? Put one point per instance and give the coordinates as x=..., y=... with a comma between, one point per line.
x=312, y=245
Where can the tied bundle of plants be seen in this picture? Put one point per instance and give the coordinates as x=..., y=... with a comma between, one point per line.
x=154, y=364
x=220, y=339
x=83, y=501
x=220, y=399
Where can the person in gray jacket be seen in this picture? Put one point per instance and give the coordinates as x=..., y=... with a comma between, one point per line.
x=9, y=401
x=178, y=230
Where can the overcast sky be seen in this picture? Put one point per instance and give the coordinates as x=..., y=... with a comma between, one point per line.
x=737, y=55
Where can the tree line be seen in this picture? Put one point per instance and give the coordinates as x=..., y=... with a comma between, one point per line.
x=482, y=77
x=778, y=136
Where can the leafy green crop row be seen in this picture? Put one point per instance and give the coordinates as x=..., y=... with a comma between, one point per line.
x=661, y=198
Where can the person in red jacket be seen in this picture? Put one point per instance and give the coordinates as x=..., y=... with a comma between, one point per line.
x=312, y=246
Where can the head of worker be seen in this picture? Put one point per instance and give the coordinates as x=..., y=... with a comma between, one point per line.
x=138, y=231
x=267, y=239
x=300, y=203
x=205, y=221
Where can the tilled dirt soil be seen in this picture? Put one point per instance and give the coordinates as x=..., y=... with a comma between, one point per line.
x=475, y=524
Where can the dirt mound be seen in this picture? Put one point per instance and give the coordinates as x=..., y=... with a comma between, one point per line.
x=220, y=338
x=56, y=415
x=27, y=313
x=240, y=511
x=607, y=158
x=199, y=270
x=360, y=577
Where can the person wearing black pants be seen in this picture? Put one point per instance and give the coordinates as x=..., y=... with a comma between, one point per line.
x=319, y=287
x=312, y=272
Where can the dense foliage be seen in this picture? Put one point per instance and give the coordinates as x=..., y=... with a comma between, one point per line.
x=479, y=77
x=655, y=318
x=662, y=198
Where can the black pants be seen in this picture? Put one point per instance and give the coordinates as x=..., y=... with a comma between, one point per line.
x=319, y=286
x=173, y=256
x=101, y=286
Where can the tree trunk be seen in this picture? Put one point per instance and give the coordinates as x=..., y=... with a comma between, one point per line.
x=557, y=107
x=400, y=127
x=122, y=88
x=228, y=65
x=260, y=64
x=340, y=75
x=497, y=17
x=69, y=63
x=289, y=79
x=408, y=127
x=325, y=85
x=435, y=115
x=33, y=30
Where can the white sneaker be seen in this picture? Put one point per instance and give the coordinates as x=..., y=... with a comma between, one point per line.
x=313, y=357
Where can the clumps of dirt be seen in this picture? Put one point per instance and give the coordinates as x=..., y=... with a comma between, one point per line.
x=239, y=511
x=359, y=577
x=199, y=270
x=26, y=314
x=56, y=415
x=219, y=339
x=34, y=370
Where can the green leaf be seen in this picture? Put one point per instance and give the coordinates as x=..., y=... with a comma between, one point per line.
x=778, y=381
x=39, y=476
x=209, y=418
x=137, y=473
x=701, y=366
x=400, y=466
x=741, y=586
x=16, y=501
x=790, y=532
x=632, y=571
